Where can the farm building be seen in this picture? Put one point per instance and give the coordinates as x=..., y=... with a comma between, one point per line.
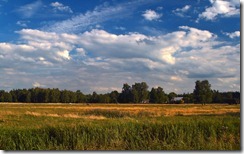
x=177, y=100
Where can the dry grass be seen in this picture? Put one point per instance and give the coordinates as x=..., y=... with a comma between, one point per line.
x=79, y=110
x=37, y=114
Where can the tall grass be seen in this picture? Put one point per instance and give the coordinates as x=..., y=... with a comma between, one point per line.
x=161, y=133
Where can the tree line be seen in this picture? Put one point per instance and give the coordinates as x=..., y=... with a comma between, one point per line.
x=137, y=93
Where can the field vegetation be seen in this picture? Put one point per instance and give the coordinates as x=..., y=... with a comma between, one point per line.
x=119, y=126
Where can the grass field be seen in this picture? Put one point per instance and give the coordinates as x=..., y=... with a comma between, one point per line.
x=119, y=127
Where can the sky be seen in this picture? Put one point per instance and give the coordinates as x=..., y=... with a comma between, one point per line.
x=99, y=45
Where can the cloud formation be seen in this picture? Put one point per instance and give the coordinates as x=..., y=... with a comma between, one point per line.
x=60, y=7
x=36, y=84
x=181, y=11
x=151, y=15
x=221, y=7
x=172, y=60
x=233, y=34
x=22, y=23
x=29, y=10
x=81, y=22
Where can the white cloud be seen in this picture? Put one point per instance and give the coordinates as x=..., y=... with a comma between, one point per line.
x=70, y=61
x=81, y=52
x=221, y=7
x=167, y=54
x=180, y=11
x=233, y=34
x=185, y=8
x=64, y=54
x=151, y=15
x=82, y=22
x=175, y=78
x=54, y=47
x=60, y=7
x=37, y=84
x=196, y=37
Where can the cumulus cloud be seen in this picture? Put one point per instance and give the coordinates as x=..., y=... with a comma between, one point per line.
x=69, y=61
x=57, y=6
x=233, y=34
x=181, y=11
x=221, y=7
x=151, y=15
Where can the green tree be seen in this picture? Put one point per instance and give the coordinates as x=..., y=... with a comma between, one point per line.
x=114, y=95
x=24, y=96
x=73, y=97
x=43, y=95
x=202, y=92
x=172, y=95
x=188, y=98
x=65, y=97
x=103, y=98
x=14, y=95
x=2, y=95
x=140, y=92
x=7, y=97
x=54, y=95
x=81, y=98
x=126, y=94
x=157, y=95
x=94, y=98
x=216, y=97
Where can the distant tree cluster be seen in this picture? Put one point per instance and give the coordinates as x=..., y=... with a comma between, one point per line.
x=137, y=93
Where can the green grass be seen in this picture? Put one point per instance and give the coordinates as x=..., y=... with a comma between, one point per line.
x=118, y=130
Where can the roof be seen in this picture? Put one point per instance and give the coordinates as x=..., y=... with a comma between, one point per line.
x=177, y=98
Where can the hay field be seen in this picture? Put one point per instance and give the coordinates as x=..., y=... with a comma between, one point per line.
x=29, y=126
x=155, y=110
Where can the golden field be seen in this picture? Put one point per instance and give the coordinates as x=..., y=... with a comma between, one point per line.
x=80, y=110
x=30, y=126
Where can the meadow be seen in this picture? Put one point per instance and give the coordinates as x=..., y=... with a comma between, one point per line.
x=30, y=126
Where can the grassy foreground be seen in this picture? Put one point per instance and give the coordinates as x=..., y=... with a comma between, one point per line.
x=119, y=127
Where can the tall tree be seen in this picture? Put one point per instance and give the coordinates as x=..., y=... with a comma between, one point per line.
x=202, y=92
x=65, y=97
x=7, y=97
x=126, y=94
x=188, y=98
x=2, y=95
x=54, y=95
x=94, y=98
x=157, y=95
x=24, y=96
x=81, y=98
x=140, y=92
x=14, y=95
x=216, y=97
x=114, y=96
x=73, y=97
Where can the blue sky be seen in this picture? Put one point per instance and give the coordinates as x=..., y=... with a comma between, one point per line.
x=99, y=45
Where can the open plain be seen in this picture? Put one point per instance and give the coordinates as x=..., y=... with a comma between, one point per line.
x=30, y=126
